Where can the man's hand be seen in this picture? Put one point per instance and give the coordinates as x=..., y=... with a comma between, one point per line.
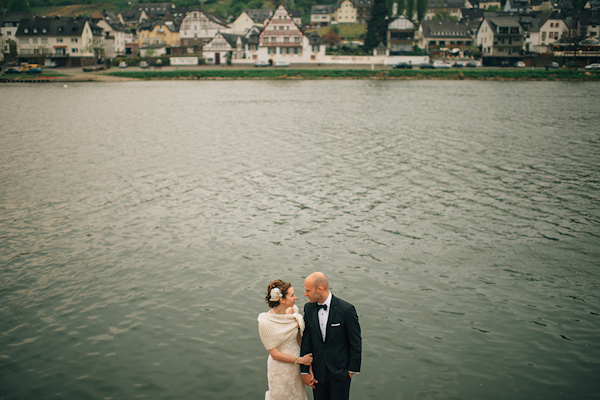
x=350, y=373
x=309, y=380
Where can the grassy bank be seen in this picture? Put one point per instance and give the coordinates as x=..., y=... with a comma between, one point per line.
x=454, y=74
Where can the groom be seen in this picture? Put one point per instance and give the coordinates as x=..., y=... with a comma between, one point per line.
x=332, y=335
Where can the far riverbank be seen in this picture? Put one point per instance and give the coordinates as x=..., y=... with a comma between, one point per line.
x=228, y=73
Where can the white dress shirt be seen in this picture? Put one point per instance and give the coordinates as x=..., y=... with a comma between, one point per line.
x=324, y=316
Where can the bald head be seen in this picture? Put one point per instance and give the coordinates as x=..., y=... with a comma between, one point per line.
x=316, y=287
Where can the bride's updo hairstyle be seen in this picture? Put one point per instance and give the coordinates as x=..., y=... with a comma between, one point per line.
x=283, y=288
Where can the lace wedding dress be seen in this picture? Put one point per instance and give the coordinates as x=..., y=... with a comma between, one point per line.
x=281, y=332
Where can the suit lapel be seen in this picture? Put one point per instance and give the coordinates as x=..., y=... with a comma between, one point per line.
x=332, y=311
x=315, y=319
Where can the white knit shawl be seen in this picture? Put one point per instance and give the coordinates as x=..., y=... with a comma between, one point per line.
x=274, y=329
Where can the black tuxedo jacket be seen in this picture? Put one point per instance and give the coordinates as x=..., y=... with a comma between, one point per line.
x=341, y=350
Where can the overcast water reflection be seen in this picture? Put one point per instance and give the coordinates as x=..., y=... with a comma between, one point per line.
x=141, y=222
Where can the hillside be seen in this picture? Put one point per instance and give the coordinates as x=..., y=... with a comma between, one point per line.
x=224, y=8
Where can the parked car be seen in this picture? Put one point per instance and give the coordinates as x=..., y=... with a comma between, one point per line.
x=426, y=66
x=281, y=64
x=441, y=64
x=261, y=64
x=471, y=64
x=520, y=64
x=458, y=64
x=144, y=64
x=27, y=67
x=52, y=64
x=402, y=65
x=593, y=66
x=122, y=64
x=13, y=70
x=553, y=64
x=34, y=70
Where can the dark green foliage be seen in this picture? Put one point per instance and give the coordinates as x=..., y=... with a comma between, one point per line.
x=463, y=74
x=401, y=7
x=377, y=25
x=410, y=9
x=18, y=5
x=422, y=6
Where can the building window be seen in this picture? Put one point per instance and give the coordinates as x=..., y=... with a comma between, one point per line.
x=75, y=50
x=44, y=40
x=59, y=40
x=73, y=40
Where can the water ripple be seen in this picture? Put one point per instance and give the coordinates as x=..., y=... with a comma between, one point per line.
x=461, y=218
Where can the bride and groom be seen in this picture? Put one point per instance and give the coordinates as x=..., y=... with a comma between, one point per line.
x=321, y=350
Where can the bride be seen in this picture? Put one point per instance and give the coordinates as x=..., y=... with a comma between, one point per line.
x=281, y=330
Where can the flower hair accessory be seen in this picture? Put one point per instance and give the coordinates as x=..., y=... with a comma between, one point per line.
x=275, y=294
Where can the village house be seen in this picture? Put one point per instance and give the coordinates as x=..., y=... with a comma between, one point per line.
x=199, y=27
x=249, y=18
x=346, y=12
x=161, y=32
x=400, y=36
x=549, y=27
x=363, y=10
x=501, y=39
x=517, y=6
x=115, y=35
x=487, y=4
x=283, y=40
x=132, y=17
x=224, y=47
x=445, y=38
x=452, y=7
x=68, y=41
x=154, y=10
x=114, y=38
x=321, y=15
x=9, y=23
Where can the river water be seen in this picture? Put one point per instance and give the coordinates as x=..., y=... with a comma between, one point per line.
x=142, y=221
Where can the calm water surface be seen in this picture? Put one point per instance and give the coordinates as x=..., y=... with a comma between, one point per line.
x=141, y=222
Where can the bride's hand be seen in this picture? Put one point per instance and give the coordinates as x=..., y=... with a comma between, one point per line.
x=305, y=360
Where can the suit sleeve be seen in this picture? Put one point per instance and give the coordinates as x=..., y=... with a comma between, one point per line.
x=355, y=345
x=306, y=346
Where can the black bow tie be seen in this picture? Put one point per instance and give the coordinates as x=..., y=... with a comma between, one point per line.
x=323, y=306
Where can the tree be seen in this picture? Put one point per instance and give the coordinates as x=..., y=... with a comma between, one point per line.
x=444, y=15
x=401, y=6
x=332, y=38
x=377, y=25
x=410, y=9
x=422, y=6
x=17, y=5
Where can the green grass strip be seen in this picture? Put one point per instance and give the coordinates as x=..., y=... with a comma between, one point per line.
x=452, y=74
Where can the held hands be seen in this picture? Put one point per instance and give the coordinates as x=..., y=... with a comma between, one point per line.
x=309, y=380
